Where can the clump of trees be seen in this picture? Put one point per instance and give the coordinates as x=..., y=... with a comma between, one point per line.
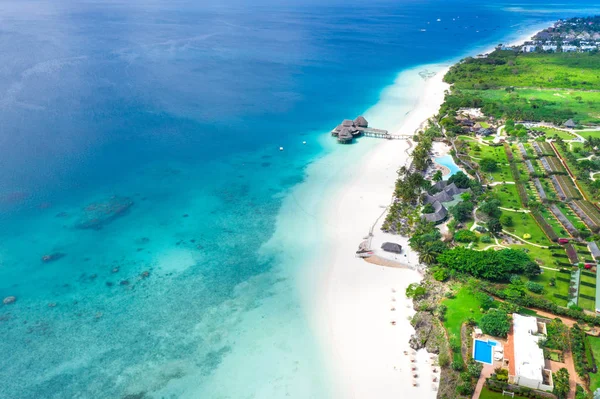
x=426, y=240
x=465, y=236
x=490, y=265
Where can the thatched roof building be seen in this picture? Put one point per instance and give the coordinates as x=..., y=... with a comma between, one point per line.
x=570, y=124
x=440, y=213
x=345, y=135
x=361, y=122
x=391, y=247
x=446, y=192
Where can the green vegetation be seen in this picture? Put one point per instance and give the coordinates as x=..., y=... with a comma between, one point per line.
x=509, y=69
x=558, y=335
x=490, y=265
x=508, y=196
x=486, y=393
x=496, y=323
x=528, y=86
x=587, y=291
x=465, y=306
x=561, y=383
x=525, y=226
x=594, y=343
x=582, y=352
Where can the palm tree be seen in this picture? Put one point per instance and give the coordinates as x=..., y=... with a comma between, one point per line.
x=428, y=255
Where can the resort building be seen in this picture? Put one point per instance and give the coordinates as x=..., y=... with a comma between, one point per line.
x=529, y=48
x=349, y=129
x=445, y=194
x=528, y=366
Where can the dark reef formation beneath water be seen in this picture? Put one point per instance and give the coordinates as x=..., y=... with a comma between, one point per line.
x=98, y=214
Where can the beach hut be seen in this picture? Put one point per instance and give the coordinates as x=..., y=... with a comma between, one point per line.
x=391, y=247
x=361, y=122
x=570, y=124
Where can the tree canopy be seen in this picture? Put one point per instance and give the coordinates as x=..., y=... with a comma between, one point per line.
x=490, y=265
x=495, y=322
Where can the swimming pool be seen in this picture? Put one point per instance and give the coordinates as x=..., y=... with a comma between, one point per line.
x=482, y=351
x=448, y=162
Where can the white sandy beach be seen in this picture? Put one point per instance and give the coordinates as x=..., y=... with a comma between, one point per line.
x=357, y=297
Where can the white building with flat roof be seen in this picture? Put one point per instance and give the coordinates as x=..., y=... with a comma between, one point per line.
x=529, y=363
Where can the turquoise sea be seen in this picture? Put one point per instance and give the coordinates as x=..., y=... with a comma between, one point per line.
x=140, y=178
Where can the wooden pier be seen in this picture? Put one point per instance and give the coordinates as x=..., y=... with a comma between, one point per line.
x=383, y=134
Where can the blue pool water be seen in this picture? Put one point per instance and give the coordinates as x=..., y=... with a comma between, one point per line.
x=448, y=162
x=482, y=351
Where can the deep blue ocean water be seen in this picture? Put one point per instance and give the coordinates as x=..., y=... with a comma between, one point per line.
x=178, y=109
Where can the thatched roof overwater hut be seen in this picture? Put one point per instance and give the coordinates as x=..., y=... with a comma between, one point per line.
x=361, y=122
x=345, y=135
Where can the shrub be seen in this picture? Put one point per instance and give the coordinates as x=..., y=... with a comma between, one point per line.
x=486, y=239
x=457, y=365
x=495, y=322
x=465, y=236
x=415, y=290
x=466, y=389
x=440, y=274
x=443, y=360
x=474, y=369
x=534, y=287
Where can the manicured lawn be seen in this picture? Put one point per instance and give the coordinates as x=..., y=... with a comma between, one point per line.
x=508, y=196
x=595, y=377
x=460, y=308
x=550, y=133
x=595, y=134
x=587, y=291
x=487, y=394
x=558, y=294
x=525, y=224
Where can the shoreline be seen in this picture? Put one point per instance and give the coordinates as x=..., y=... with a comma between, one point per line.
x=358, y=310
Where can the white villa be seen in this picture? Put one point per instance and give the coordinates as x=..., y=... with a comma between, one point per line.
x=529, y=366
